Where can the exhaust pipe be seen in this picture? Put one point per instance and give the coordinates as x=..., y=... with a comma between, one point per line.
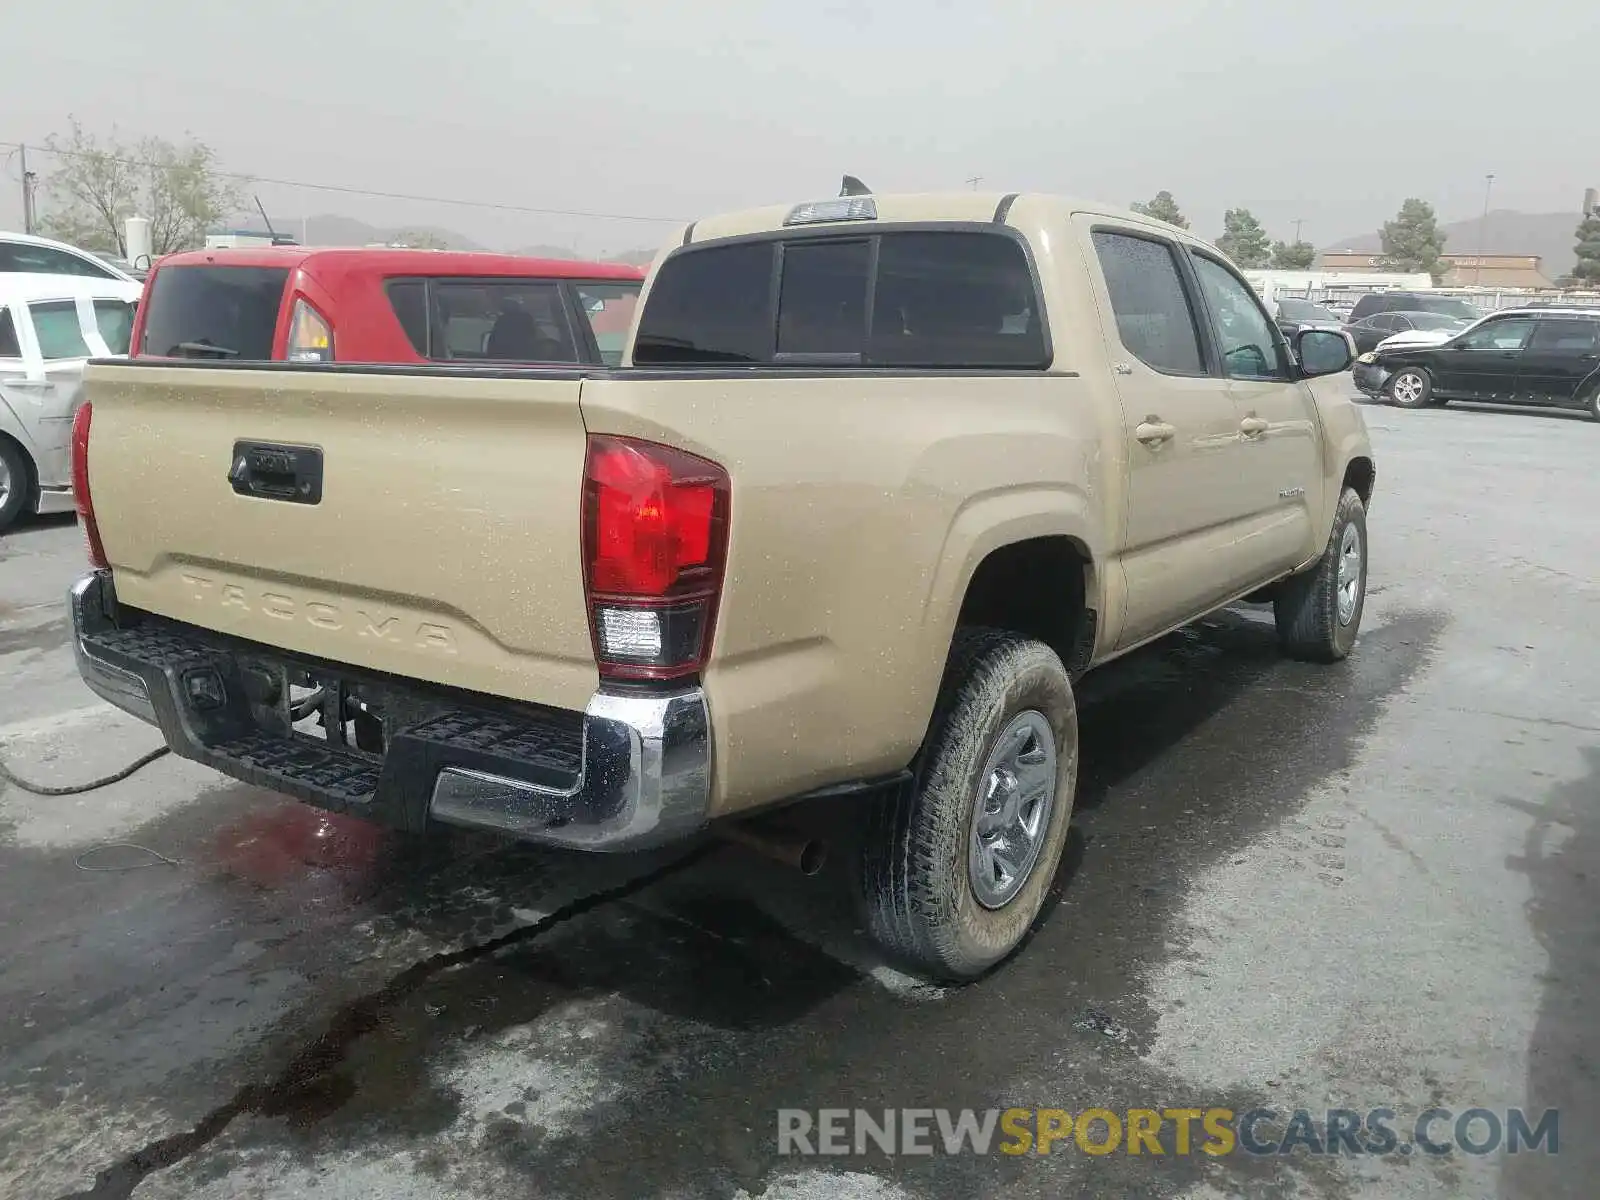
x=778, y=842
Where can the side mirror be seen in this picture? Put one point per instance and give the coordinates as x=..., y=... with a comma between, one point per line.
x=1323, y=351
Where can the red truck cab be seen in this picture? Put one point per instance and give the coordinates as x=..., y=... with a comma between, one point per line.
x=383, y=305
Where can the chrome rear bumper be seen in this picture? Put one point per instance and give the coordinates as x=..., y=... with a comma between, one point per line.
x=633, y=772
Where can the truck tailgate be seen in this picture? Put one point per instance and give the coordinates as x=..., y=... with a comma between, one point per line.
x=445, y=545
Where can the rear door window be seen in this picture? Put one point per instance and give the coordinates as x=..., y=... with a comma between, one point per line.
x=409, y=299
x=908, y=299
x=10, y=346
x=114, y=318
x=1565, y=337
x=55, y=325
x=1155, y=320
x=213, y=312
x=609, y=309
x=499, y=321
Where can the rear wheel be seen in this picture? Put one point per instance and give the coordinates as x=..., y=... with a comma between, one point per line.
x=1411, y=387
x=1591, y=404
x=15, y=483
x=956, y=864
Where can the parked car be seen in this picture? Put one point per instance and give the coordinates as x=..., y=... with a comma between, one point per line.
x=384, y=305
x=1541, y=356
x=1369, y=332
x=880, y=478
x=1295, y=315
x=1430, y=302
x=25, y=254
x=50, y=325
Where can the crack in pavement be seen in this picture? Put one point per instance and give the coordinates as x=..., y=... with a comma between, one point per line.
x=353, y=1021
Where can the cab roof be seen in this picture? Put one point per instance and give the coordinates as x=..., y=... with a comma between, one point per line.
x=402, y=260
x=915, y=207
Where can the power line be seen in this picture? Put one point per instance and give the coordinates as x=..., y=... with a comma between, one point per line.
x=344, y=190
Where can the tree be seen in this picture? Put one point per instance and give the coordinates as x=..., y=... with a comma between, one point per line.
x=1588, y=237
x=1162, y=208
x=419, y=239
x=1243, y=239
x=1293, y=256
x=1412, y=241
x=98, y=184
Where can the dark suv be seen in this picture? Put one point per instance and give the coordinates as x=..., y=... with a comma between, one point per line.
x=1429, y=302
x=1542, y=356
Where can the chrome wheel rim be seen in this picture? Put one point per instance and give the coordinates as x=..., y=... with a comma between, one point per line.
x=1350, y=571
x=1011, y=813
x=5, y=482
x=1408, y=388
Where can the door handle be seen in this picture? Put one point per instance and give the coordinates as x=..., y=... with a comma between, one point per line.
x=1153, y=431
x=32, y=385
x=1254, y=426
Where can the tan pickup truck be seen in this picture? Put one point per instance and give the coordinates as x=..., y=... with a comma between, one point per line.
x=878, y=478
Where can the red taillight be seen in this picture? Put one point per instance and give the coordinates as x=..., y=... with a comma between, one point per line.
x=655, y=534
x=80, y=485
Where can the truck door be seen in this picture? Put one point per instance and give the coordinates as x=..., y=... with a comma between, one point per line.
x=1483, y=363
x=1560, y=356
x=1277, y=421
x=55, y=386
x=1181, y=431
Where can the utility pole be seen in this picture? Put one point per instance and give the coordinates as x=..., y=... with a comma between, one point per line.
x=1483, y=229
x=1298, y=221
x=28, y=180
x=975, y=180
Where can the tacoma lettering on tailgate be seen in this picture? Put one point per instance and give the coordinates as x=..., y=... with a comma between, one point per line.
x=363, y=622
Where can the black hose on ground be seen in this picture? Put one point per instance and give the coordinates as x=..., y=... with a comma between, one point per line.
x=78, y=789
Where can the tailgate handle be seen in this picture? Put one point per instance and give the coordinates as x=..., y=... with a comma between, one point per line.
x=269, y=471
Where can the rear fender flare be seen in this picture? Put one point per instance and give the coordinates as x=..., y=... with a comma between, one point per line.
x=985, y=523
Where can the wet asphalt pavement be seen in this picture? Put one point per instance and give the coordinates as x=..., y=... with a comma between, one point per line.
x=1289, y=886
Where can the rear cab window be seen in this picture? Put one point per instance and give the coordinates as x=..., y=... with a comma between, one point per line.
x=225, y=312
x=879, y=297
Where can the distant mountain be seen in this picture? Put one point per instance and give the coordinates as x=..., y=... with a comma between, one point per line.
x=543, y=251
x=1549, y=235
x=330, y=229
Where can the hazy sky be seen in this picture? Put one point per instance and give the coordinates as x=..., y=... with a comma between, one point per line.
x=1332, y=112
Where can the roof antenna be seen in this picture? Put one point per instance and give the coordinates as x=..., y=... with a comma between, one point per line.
x=854, y=187
x=262, y=209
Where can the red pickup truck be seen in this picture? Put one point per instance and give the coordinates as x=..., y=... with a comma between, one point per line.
x=381, y=305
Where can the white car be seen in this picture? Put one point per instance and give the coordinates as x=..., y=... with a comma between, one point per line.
x=50, y=325
x=25, y=254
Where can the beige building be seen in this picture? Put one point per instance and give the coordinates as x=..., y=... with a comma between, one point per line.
x=1466, y=270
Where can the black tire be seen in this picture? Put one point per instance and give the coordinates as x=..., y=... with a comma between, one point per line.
x=1591, y=403
x=1418, y=398
x=1307, y=610
x=916, y=880
x=19, y=483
